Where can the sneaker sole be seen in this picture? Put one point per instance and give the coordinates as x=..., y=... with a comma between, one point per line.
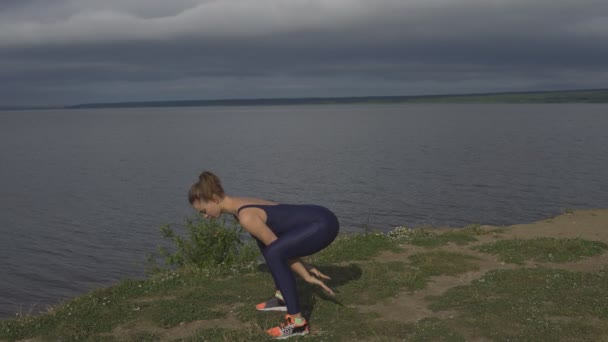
x=277, y=308
x=292, y=335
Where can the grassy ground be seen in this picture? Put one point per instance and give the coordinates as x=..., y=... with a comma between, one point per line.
x=546, y=281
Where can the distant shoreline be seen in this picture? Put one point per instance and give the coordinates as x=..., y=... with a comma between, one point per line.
x=560, y=96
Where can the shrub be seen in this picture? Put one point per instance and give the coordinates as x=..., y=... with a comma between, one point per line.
x=210, y=244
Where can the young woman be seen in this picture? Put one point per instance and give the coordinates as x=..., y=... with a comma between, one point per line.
x=284, y=233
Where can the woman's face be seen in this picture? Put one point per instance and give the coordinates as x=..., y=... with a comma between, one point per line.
x=210, y=209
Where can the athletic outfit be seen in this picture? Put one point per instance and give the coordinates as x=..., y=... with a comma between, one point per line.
x=301, y=230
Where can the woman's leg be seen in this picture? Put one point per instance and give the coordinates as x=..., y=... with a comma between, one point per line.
x=302, y=241
x=266, y=306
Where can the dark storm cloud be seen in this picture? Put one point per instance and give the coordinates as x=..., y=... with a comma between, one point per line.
x=111, y=50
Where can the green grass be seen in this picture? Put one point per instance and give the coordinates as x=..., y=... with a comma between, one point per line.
x=526, y=304
x=363, y=284
x=433, y=329
x=436, y=238
x=98, y=311
x=192, y=296
x=170, y=298
x=377, y=281
x=440, y=262
x=355, y=247
x=543, y=249
x=227, y=335
x=140, y=337
x=372, y=282
x=531, y=304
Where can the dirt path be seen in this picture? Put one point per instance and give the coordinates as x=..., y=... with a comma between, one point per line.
x=587, y=224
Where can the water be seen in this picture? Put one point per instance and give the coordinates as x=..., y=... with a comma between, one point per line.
x=84, y=192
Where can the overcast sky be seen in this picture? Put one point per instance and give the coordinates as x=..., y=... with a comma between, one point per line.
x=55, y=52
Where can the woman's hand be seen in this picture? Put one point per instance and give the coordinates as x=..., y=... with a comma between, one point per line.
x=313, y=278
x=317, y=273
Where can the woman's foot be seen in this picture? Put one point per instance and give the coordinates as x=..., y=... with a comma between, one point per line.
x=274, y=303
x=291, y=327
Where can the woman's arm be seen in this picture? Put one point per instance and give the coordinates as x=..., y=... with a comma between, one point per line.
x=256, y=227
x=307, y=271
x=300, y=268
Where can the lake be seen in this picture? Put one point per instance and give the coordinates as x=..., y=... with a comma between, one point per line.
x=84, y=192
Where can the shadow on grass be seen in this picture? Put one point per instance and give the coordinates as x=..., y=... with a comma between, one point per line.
x=340, y=275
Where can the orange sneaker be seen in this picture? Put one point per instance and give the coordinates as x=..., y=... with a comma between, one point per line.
x=289, y=328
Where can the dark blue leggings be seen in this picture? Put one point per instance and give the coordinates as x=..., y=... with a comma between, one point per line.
x=297, y=242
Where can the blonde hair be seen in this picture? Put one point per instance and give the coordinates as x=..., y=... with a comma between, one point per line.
x=208, y=185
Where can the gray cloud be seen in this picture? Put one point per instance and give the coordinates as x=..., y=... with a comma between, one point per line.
x=79, y=51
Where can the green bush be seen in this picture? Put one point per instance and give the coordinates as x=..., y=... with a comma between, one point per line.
x=210, y=244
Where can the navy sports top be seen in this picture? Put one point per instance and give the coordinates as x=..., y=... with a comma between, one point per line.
x=281, y=218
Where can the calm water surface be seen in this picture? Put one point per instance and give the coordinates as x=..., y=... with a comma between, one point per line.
x=84, y=192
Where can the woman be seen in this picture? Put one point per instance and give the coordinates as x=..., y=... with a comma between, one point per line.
x=284, y=233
